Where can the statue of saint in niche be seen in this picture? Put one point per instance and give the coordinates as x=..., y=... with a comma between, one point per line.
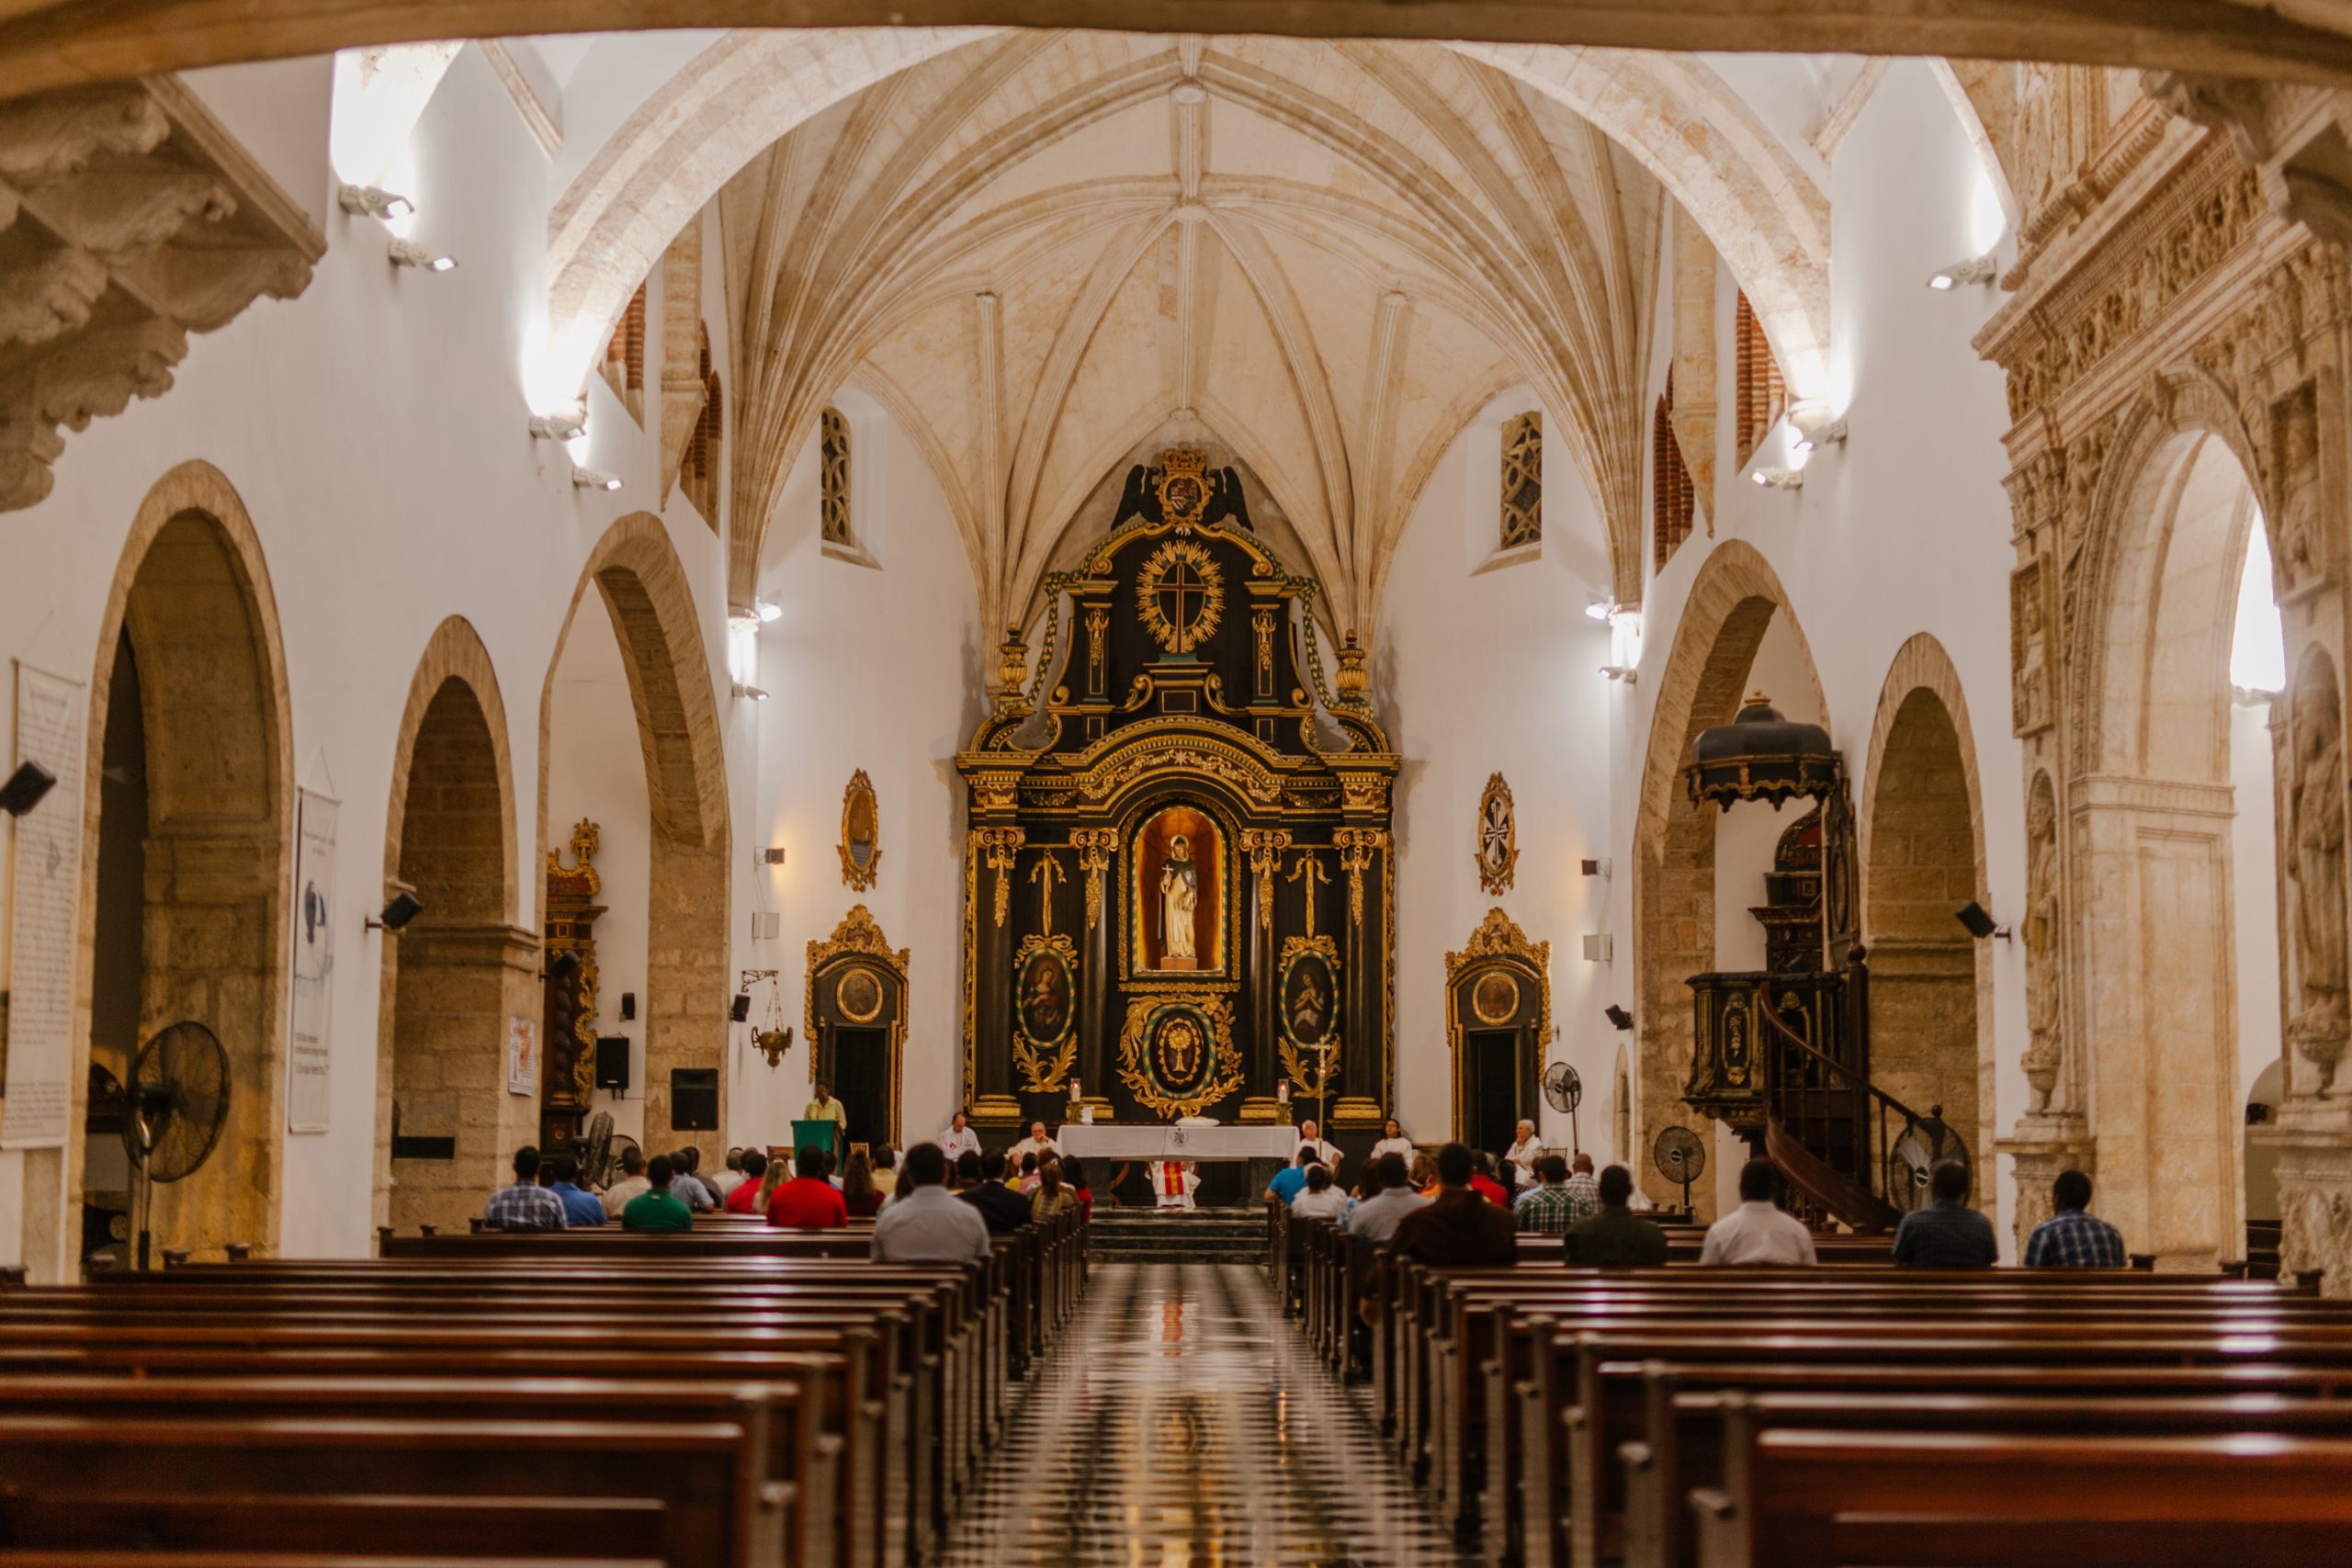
x=1180, y=899
x=2319, y=1024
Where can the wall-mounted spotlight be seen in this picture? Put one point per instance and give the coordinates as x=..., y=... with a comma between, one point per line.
x=594, y=479
x=1830, y=434
x=568, y=426
x=772, y=855
x=402, y=908
x=24, y=788
x=1979, y=923
x=408, y=253
x=1975, y=269
x=1600, y=610
x=751, y=693
x=1597, y=868
x=767, y=613
x=369, y=201
x=1778, y=479
x=1620, y=672
x=1618, y=1016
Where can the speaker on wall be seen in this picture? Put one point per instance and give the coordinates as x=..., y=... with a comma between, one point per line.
x=693, y=1099
x=612, y=1061
x=628, y=1006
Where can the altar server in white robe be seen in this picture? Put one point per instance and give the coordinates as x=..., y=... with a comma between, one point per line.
x=1173, y=1182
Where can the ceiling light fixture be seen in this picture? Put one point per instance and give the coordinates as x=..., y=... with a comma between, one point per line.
x=751, y=693
x=596, y=479
x=369, y=201
x=1778, y=479
x=1975, y=269
x=1830, y=434
x=566, y=426
x=1619, y=672
x=408, y=253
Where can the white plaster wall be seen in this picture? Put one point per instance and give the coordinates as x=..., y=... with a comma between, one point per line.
x=597, y=772
x=1903, y=529
x=875, y=666
x=1497, y=670
x=2254, y=892
x=375, y=429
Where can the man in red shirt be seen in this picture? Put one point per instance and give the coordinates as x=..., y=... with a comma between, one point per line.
x=809, y=1202
x=1483, y=1182
x=742, y=1200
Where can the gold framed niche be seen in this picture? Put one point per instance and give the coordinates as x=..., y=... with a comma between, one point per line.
x=861, y=845
x=1497, y=828
x=1498, y=981
x=1177, y=1053
x=1172, y=837
x=855, y=979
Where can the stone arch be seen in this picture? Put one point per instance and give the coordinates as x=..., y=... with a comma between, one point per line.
x=1920, y=828
x=1731, y=602
x=634, y=570
x=191, y=594
x=451, y=978
x=2154, y=1001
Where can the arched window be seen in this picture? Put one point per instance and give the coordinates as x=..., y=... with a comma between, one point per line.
x=1762, y=397
x=699, y=472
x=624, y=364
x=1673, y=501
x=833, y=447
x=1522, y=487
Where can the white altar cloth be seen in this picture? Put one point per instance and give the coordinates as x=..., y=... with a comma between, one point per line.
x=1108, y=1140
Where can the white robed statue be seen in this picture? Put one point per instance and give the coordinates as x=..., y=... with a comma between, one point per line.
x=1180, y=895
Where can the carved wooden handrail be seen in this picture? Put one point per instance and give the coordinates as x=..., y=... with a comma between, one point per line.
x=1874, y=1109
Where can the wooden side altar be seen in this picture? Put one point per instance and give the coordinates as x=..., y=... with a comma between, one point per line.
x=1177, y=881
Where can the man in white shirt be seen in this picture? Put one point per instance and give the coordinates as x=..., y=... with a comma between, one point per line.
x=1526, y=1148
x=1321, y=1200
x=929, y=1224
x=959, y=1139
x=1757, y=1231
x=1039, y=1144
x=1327, y=1153
x=1377, y=1218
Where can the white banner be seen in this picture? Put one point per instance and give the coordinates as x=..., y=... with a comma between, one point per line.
x=44, y=893
x=308, y=1021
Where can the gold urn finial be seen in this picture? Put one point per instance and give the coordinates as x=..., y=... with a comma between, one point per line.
x=1012, y=663
x=1354, y=678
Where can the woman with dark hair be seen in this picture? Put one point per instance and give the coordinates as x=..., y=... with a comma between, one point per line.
x=1321, y=1200
x=1052, y=1199
x=1029, y=1173
x=857, y=1189
x=1074, y=1177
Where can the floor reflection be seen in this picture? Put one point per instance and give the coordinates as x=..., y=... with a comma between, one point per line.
x=1182, y=1424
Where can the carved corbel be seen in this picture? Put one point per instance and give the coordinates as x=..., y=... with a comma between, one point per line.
x=2225, y=106
x=1095, y=847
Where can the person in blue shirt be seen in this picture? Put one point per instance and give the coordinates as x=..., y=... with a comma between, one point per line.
x=581, y=1207
x=1288, y=1181
x=2071, y=1238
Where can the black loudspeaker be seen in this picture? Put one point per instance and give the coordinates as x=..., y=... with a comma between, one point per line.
x=693, y=1099
x=628, y=1006
x=612, y=1061
x=739, y=1010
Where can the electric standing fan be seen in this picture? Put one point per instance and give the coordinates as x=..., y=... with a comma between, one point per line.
x=596, y=1152
x=1912, y=1158
x=175, y=1103
x=1564, y=1091
x=1680, y=1157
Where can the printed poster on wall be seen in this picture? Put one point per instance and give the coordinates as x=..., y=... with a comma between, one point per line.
x=307, y=1024
x=521, y=1056
x=45, y=891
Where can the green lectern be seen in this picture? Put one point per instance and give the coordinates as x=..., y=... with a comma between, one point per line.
x=824, y=1134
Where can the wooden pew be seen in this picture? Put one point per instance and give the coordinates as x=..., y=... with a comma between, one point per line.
x=540, y=1529
x=1813, y=1499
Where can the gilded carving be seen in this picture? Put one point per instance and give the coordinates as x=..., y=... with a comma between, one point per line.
x=1497, y=851
x=1309, y=872
x=1098, y=630
x=1356, y=847
x=1177, y=1053
x=1044, y=1011
x=861, y=845
x=849, y=967
x=1308, y=1000
x=1179, y=595
x=1095, y=847
x=1498, y=945
x=999, y=847
x=1265, y=846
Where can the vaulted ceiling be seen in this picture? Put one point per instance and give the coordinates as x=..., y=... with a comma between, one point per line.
x=1040, y=249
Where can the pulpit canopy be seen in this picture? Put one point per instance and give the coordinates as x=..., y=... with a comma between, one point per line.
x=1762, y=755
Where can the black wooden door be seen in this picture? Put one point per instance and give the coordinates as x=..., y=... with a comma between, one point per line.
x=861, y=1081
x=1493, y=1113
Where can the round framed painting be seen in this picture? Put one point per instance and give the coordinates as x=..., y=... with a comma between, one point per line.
x=858, y=994
x=1494, y=996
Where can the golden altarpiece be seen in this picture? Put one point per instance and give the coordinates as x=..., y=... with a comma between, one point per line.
x=1179, y=894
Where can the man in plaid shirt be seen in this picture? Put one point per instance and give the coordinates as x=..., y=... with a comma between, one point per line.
x=527, y=1205
x=1552, y=1207
x=2071, y=1238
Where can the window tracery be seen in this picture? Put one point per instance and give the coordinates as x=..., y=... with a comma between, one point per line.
x=1523, y=480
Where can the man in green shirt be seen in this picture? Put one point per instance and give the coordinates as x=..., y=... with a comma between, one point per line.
x=654, y=1209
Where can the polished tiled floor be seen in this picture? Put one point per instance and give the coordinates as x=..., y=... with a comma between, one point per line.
x=1182, y=1422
